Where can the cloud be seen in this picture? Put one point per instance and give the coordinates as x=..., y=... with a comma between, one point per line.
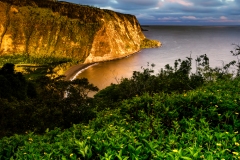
x=179, y=11
x=90, y=1
x=145, y=16
x=207, y=3
x=138, y=2
x=181, y=2
x=169, y=19
x=189, y=17
x=135, y=4
x=223, y=18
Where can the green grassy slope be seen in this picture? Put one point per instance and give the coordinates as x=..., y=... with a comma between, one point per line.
x=199, y=124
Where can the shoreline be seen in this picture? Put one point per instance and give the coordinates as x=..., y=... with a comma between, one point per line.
x=75, y=70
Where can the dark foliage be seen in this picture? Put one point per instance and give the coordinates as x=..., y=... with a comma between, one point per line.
x=172, y=79
x=14, y=85
x=43, y=103
x=49, y=102
x=177, y=79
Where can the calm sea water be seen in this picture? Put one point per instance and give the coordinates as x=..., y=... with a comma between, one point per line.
x=177, y=42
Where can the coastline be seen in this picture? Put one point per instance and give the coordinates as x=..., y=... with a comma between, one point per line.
x=73, y=71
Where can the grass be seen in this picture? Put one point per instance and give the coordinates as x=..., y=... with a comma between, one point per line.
x=199, y=124
x=25, y=59
x=25, y=62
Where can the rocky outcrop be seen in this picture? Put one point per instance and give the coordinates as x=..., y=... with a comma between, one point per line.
x=43, y=28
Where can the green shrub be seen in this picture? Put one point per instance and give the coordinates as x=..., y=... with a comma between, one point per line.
x=172, y=79
x=188, y=116
x=162, y=126
x=42, y=103
x=13, y=84
x=147, y=43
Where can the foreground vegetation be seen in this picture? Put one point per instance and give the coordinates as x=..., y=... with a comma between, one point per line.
x=172, y=115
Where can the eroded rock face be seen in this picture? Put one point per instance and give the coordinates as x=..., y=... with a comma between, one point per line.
x=60, y=29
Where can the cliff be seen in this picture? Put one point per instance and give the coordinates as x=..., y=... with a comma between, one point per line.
x=44, y=28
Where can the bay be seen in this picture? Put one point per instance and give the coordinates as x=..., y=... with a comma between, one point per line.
x=177, y=42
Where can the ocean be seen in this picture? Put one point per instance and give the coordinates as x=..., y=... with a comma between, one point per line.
x=177, y=42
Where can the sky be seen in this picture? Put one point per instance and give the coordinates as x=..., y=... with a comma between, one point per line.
x=174, y=12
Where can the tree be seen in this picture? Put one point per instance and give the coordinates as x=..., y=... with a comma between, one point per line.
x=14, y=84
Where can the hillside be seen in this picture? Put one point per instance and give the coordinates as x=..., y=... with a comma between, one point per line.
x=64, y=30
x=174, y=114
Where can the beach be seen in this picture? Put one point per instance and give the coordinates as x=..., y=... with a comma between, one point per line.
x=74, y=70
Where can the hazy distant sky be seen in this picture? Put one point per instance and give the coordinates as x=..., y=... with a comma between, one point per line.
x=178, y=12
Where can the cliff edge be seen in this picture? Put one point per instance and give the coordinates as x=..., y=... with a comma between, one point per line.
x=44, y=28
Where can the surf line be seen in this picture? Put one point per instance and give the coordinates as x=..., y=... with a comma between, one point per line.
x=65, y=95
x=81, y=70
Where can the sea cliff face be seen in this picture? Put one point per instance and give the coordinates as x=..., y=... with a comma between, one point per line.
x=42, y=28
